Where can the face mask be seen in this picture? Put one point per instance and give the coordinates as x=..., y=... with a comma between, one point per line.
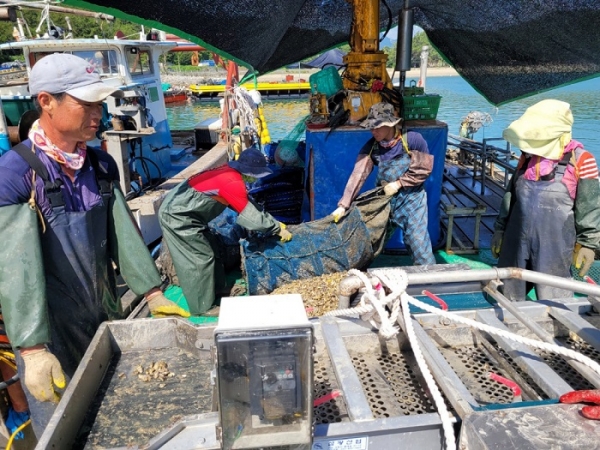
x=248, y=178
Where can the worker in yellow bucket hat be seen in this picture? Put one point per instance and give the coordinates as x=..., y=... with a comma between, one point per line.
x=550, y=214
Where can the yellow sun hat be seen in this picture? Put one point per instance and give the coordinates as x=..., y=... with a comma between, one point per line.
x=544, y=129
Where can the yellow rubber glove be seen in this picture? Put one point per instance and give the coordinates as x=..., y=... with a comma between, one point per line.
x=161, y=305
x=338, y=214
x=391, y=188
x=583, y=258
x=497, y=243
x=284, y=234
x=42, y=373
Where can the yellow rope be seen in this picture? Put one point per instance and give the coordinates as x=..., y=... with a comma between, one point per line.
x=12, y=436
x=10, y=363
x=9, y=358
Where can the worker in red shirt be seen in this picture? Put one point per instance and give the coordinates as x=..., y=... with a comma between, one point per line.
x=189, y=207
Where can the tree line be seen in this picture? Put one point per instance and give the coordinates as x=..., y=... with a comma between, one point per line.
x=418, y=41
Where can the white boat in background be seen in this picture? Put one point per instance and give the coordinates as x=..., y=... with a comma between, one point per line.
x=134, y=130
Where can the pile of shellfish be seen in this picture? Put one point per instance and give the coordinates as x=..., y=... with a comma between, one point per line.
x=319, y=294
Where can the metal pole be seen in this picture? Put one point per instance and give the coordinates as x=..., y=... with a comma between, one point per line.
x=62, y=9
x=424, y=63
x=503, y=273
x=404, y=49
x=584, y=370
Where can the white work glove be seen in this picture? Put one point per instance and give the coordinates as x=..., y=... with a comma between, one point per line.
x=42, y=373
x=391, y=188
x=583, y=258
x=338, y=213
x=497, y=243
x=284, y=234
x=161, y=306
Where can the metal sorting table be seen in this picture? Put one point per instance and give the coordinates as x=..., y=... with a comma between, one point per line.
x=383, y=396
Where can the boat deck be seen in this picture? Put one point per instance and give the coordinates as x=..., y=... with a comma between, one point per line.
x=463, y=190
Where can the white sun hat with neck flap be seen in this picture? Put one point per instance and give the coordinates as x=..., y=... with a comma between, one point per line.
x=544, y=129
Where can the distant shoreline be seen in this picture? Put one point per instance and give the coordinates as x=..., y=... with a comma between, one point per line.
x=183, y=79
x=433, y=72
x=304, y=74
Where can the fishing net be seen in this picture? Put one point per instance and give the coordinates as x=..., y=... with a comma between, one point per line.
x=286, y=154
x=472, y=122
x=319, y=247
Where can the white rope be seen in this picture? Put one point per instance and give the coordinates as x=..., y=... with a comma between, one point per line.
x=509, y=335
x=398, y=286
x=244, y=104
x=496, y=331
x=371, y=308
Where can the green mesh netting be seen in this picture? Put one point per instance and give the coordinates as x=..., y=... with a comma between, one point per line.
x=504, y=49
x=286, y=153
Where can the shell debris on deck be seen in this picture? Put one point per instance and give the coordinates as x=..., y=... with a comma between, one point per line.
x=319, y=294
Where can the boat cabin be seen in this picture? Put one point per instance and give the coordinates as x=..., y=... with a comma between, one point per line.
x=135, y=128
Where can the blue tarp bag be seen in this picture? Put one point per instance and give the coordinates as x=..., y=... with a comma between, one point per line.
x=319, y=247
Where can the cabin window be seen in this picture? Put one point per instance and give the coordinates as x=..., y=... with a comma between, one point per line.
x=139, y=61
x=103, y=61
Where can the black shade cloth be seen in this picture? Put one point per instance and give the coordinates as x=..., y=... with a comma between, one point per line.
x=504, y=49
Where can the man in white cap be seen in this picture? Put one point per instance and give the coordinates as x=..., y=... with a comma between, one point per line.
x=63, y=224
x=404, y=164
x=550, y=214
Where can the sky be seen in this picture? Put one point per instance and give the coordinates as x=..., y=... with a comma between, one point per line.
x=392, y=36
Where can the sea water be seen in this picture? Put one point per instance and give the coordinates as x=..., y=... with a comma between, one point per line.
x=458, y=100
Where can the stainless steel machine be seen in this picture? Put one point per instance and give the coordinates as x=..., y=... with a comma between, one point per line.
x=258, y=380
x=130, y=123
x=264, y=372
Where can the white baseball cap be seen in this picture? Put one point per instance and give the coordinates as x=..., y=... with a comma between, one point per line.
x=63, y=72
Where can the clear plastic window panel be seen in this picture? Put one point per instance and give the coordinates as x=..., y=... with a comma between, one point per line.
x=265, y=385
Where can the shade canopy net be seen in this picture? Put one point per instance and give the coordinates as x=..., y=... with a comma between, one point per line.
x=319, y=247
x=504, y=49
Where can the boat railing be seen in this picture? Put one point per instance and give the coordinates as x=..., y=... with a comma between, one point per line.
x=489, y=162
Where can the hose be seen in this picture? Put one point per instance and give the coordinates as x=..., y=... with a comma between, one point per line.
x=9, y=382
x=17, y=431
x=143, y=161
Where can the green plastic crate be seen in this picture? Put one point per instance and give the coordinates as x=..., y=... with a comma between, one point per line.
x=327, y=81
x=413, y=90
x=423, y=107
